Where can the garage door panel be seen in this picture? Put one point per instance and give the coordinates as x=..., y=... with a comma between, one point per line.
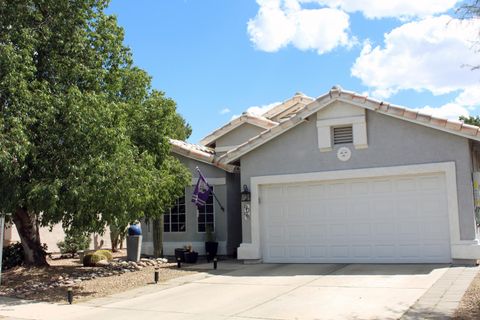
x=275, y=234
x=409, y=250
x=277, y=252
x=296, y=233
x=394, y=219
x=339, y=251
x=297, y=252
x=435, y=250
x=430, y=183
x=381, y=186
x=318, y=252
x=384, y=251
x=361, y=251
x=381, y=207
x=336, y=190
x=359, y=188
x=405, y=185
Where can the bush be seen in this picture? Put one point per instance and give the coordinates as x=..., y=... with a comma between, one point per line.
x=91, y=259
x=106, y=253
x=73, y=243
x=13, y=256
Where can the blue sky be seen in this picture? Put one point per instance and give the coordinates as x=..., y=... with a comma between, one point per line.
x=233, y=55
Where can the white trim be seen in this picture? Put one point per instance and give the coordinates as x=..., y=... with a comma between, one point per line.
x=169, y=247
x=459, y=249
x=211, y=181
x=225, y=148
x=359, y=131
x=340, y=121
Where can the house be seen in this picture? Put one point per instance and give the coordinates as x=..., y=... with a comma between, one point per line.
x=342, y=178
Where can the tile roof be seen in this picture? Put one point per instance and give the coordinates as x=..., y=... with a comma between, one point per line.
x=244, y=118
x=338, y=94
x=288, y=107
x=200, y=153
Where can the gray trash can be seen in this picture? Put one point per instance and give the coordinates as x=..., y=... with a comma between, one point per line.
x=134, y=248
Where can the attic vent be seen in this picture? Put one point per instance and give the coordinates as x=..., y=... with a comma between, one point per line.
x=342, y=135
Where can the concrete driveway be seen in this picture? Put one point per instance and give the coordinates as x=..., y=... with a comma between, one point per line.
x=267, y=291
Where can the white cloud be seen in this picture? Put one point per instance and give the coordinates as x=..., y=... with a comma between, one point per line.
x=225, y=111
x=279, y=23
x=470, y=97
x=430, y=54
x=258, y=110
x=392, y=8
x=468, y=100
x=450, y=111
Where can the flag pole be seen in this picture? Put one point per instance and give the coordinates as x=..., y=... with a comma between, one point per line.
x=213, y=193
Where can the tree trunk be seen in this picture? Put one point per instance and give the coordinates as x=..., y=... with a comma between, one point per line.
x=157, y=228
x=29, y=232
x=114, y=237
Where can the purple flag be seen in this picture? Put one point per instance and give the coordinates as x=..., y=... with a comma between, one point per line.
x=202, y=191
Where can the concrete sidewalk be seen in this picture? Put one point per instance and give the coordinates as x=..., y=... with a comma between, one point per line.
x=264, y=291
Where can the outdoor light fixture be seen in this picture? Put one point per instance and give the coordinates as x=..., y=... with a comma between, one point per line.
x=245, y=198
x=179, y=262
x=70, y=295
x=215, y=263
x=245, y=194
x=156, y=274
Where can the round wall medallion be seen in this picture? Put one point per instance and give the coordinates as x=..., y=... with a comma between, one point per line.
x=344, y=154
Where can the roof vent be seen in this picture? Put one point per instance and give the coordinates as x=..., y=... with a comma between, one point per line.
x=342, y=135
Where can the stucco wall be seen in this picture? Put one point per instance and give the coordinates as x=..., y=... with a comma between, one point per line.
x=239, y=135
x=234, y=217
x=391, y=142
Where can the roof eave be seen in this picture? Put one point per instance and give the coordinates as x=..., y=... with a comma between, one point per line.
x=449, y=126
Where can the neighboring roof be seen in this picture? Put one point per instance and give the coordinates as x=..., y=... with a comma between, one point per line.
x=258, y=121
x=288, y=107
x=199, y=153
x=337, y=94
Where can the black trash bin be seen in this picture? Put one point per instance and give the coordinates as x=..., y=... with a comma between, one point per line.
x=180, y=253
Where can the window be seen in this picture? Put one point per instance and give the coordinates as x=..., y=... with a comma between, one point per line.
x=206, y=216
x=342, y=135
x=174, y=218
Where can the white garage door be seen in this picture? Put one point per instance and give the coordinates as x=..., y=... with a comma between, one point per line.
x=391, y=219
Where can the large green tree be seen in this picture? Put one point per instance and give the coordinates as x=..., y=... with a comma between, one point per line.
x=83, y=137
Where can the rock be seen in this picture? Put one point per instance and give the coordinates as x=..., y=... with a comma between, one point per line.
x=77, y=280
x=102, y=263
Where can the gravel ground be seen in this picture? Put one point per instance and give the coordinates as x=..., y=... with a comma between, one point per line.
x=469, y=307
x=41, y=283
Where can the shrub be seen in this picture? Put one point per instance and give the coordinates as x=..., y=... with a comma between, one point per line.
x=13, y=256
x=73, y=243
x=106, y=253
x=91, y=259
